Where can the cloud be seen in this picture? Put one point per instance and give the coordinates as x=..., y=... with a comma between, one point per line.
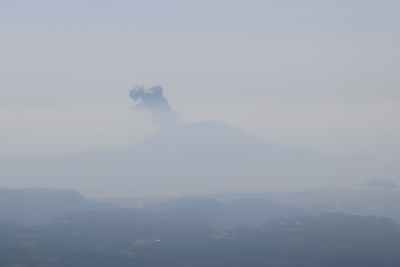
x=152, y=99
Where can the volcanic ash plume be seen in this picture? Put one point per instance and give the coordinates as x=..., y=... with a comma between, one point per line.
x=152, y=99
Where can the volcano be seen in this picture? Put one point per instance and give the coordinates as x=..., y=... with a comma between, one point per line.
x=193, y=145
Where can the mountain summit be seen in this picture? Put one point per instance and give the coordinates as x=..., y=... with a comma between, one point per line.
x=193, y=145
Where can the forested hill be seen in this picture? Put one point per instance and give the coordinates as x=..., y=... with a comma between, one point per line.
x=38, y=206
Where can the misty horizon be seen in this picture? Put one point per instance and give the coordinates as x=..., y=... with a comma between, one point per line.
x=167, y=133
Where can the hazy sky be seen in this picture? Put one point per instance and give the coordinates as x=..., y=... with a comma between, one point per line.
x=320, y=74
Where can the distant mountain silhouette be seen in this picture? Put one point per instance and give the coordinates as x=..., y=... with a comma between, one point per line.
x=223, y=216
x=192, y=145
x=40, y=206
x=388, y=184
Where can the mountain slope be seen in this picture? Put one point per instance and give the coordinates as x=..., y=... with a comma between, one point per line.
x=193, y=145
x=38, y=206
x=223, y=216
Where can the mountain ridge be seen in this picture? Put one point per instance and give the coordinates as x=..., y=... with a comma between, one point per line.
x=209, y=144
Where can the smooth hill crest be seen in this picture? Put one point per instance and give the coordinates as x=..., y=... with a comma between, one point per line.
x=209, y=144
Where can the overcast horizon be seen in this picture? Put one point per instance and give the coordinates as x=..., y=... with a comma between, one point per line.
x=316, y=74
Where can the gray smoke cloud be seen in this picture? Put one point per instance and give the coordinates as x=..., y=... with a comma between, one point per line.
x=152, y=99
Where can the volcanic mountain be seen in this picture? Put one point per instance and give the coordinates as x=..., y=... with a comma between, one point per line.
x=192, y=145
